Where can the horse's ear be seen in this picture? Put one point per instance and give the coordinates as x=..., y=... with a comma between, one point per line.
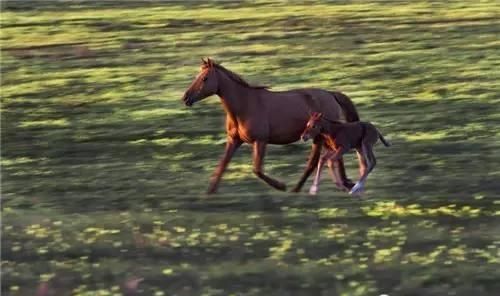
x=210, y=62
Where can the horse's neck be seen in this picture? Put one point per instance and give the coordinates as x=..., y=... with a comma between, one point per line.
x=234, y=97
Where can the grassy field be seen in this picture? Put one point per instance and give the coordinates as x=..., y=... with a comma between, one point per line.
x=104, y=169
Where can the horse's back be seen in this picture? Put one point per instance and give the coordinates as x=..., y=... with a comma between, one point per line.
x=299, y=103
x=324, y=101
x=288, y=111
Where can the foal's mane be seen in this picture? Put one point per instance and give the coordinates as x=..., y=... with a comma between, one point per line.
x=319, y=116
x=235, y=77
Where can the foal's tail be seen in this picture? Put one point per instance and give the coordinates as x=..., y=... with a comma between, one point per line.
x=350, y=112
x=383, y=140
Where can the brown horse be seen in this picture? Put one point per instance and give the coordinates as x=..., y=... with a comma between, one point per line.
x=259, y=117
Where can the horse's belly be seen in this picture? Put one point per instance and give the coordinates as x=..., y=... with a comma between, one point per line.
x=247, y=135
x=286, y=133
x=284, y=139
x=283, y=142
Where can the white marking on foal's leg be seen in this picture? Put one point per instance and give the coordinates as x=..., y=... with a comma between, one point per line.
x=313, y=190
x=358, y=187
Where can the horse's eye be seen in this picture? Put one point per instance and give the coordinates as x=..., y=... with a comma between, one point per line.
x=205, y=78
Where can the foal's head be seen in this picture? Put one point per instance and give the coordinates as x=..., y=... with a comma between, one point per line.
x=204, y=85
x=313, y=127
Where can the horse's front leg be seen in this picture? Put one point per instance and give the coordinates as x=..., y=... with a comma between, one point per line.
x=314, y=188
x=232, y=145
x=311, y=163
x=259, y=151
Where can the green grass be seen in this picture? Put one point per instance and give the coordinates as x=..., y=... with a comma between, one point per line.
x=104, y=169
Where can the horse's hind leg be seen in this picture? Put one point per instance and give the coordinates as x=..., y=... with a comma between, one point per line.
x=259, y=151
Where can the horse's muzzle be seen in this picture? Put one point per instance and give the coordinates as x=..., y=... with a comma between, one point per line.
x=188, y=101
x=305, y=138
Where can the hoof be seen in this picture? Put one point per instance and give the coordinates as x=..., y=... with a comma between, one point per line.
x=313, y=190
x=295, y=190
x=348, y=184
x=342, y=187
x=358, y=188
x=356, y=194
x=280, y=186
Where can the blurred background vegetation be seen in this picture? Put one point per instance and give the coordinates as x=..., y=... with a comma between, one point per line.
x=104, y=169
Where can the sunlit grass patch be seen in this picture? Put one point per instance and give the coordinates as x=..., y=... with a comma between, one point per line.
x=326, y=213
x=19, y=161
x=45, y=123
x=424, y=136
x=388, y=209
x=169, y=141
x=155, y=113
x=239, y=171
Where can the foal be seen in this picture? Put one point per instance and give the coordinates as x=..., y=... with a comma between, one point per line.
x=340, y=138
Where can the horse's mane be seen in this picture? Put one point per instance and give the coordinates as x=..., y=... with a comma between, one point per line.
x=237, y=78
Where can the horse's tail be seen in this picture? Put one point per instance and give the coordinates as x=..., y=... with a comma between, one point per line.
x=383, y=140
x=350, y=112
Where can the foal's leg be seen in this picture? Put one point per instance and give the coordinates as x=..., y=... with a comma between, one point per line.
x=333, y=168
x=373, y=160
x=314, y=188
x=231, y=145
x=259, y=150
x=311, y=163
x=346, y=182
x=366, y=165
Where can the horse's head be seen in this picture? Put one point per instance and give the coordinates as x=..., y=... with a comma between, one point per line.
x=313, y=127
x=204, y=85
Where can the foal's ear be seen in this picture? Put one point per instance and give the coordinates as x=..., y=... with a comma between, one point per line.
x=316, y=115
